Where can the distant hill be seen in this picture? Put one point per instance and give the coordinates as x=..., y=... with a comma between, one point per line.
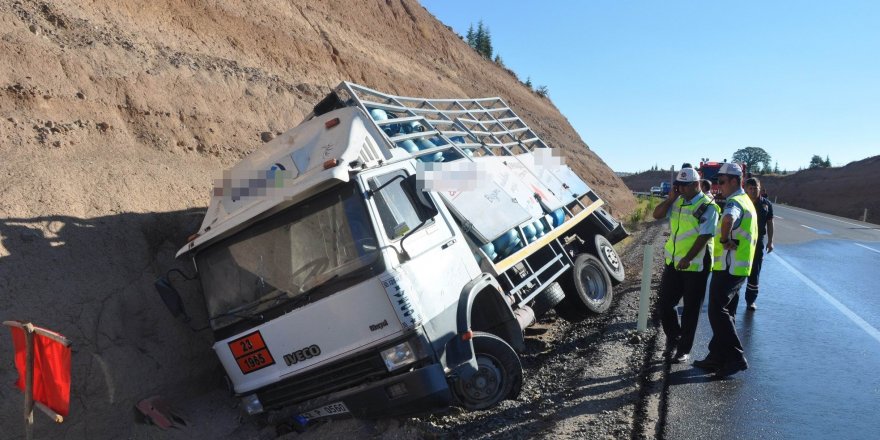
x=642, y=182
x=845, y=191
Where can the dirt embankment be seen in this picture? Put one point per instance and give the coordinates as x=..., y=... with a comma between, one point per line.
x=642, y=182
x=845, y=191
x=114, y=119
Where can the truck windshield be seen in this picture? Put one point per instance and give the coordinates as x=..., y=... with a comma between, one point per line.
x=281, y=259
x=710, y=172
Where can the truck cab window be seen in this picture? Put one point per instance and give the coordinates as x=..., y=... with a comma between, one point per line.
x=398, y=209
x=325, y=239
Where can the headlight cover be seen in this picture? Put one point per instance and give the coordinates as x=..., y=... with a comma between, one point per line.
x=252, y=404
x=398, y=356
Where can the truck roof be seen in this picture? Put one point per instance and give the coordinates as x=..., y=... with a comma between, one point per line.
x=357, y=128
x=314, y=156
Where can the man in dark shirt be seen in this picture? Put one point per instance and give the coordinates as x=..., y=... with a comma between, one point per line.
x=765, y=228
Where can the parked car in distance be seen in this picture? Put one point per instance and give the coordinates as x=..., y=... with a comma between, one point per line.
x=655, y=190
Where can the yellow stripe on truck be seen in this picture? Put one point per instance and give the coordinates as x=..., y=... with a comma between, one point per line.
x=508, y=262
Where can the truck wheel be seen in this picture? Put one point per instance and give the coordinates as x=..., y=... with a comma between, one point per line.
x=549, y=298
x=499, y=375
x=592, y=283
x=609, y=258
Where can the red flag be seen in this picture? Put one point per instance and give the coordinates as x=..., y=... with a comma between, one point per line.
x=51, y=368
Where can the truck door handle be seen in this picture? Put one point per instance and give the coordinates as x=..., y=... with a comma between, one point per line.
x=447, y=244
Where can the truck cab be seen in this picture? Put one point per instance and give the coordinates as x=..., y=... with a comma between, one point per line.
x=383, y=257
x=665, y=187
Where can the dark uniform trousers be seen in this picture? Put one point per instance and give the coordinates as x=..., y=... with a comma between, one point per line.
x=725, y=345
x=752, y=284
x=690, y=287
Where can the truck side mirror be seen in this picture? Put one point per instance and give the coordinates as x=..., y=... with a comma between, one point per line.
x=171, y=298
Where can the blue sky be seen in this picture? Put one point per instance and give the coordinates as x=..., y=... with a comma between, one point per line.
x=651, y=82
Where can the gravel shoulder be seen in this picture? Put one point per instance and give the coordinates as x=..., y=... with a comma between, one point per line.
x=595, y=379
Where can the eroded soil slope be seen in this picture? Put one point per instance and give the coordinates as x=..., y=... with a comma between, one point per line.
x=115, y=117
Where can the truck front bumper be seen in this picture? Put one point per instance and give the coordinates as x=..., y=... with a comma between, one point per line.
x=419, y=391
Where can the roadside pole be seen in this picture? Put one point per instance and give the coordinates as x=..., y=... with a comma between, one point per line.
x=865, y=215
x=645, y=294
x=29, y=381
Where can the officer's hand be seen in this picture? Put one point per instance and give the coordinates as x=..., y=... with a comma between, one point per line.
x=684, y=263
x=730, y=245
x=769, y=247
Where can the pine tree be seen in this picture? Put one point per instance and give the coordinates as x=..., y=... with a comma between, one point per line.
x=486, y=46
x=498, y=60
x=480, y=40
x=776, y=167
x=542, y=91
x=827, y=163
x=529, y=82
x=479, y=35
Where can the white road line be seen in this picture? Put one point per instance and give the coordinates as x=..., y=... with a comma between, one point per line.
x=812, y=229
x=868, y=248
x=868, y=328
x=827, y=218
x=778, y=217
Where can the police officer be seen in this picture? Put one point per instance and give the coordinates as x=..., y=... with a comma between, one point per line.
x=734, y=251
x=692, y=222
x=706, y=186
x=764, y=209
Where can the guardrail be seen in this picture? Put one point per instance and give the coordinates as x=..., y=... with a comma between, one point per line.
x=642, y=193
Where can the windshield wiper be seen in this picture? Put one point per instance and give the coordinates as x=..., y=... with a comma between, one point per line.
x=252, y=317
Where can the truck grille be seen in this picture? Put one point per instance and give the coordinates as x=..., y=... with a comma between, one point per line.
x=327, y=379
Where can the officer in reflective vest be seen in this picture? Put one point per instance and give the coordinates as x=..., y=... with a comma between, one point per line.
x=692, y=221
x=734, y=250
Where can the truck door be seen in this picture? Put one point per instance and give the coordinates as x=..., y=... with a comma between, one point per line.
x=420, y=240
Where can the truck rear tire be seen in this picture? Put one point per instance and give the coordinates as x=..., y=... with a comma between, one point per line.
x=549, y=298
x=587, y=288
x=499, y=375
x=609, y=258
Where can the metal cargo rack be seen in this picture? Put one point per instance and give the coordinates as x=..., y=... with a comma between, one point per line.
x=457, y=129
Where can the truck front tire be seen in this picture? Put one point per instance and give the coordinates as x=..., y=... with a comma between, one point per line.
x=499, y=375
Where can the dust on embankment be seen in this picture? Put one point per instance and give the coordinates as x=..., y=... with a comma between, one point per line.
x=116, y=116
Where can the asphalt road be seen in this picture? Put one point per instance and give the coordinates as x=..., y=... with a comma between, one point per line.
x=813, y=345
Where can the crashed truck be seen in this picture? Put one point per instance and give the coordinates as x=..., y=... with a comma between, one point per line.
x=384, y=257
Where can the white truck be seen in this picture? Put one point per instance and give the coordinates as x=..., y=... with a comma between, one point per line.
x=384, y=257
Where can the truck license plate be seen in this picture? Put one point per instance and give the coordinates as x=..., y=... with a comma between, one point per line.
x=326, y=410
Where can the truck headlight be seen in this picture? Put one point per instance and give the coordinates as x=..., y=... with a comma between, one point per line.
x=398, y=356
x=251, y=404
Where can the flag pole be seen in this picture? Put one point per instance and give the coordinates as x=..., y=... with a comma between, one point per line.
x=29, y=381
x=29, y=403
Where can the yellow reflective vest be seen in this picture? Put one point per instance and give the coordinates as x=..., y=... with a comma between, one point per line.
x=684, y=226
x=738, y=262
